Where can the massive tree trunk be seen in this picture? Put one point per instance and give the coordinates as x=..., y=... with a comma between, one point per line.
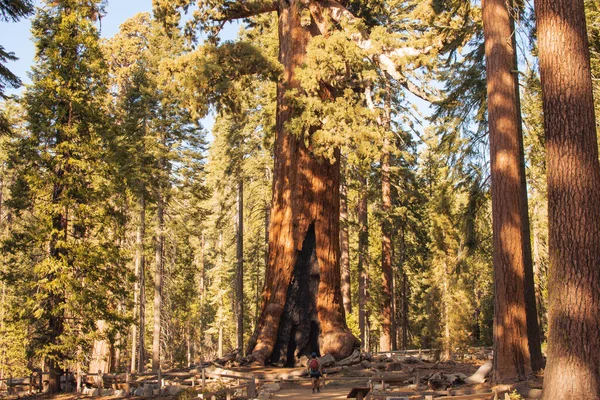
x=511, y=345
x=302, y=307
x=573, y=367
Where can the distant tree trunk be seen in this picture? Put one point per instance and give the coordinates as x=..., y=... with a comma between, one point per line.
x=55, y=301
x=142, y=283
x=446, y=300
x=511, y=345
x=345, y=250
x=137, y=297
x=158, y=280
x=573, y=367
x=386, y=341
x=239, y=287
x=299, y=318
x=363, y=259
x=405, y=304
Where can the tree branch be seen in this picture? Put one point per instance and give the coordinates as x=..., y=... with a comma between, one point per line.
x=247, y=9
x=386, y=58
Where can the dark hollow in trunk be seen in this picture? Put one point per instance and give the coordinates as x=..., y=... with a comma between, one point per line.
x=299, y=328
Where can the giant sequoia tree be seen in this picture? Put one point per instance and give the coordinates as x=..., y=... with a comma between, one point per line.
x=302, y=307
x=573, y=368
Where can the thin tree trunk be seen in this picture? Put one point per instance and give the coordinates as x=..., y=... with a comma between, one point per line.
x=387, y=316
x=445, y=296
x=158, y=281
x=511, y=345
x=239, y=287
x=573, y=367
x=139, y=268
x=142, y=286
x=533, y=327
x=363, y=259
x=345, y=250
x=405, y=304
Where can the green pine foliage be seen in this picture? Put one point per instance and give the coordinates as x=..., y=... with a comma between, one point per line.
x=61, y=254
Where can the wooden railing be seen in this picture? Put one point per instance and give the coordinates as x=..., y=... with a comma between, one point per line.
x=197, y=382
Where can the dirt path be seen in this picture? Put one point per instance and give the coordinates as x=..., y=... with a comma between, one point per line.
x=304, y=391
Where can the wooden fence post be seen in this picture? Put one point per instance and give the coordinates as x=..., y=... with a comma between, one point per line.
x=159, y=378
x=31, y=384
x=41, y=384
x=9, y=384
x=100, y=383
x=127, y=383
x=203, y=379
x=78, y=379
x=252, y=387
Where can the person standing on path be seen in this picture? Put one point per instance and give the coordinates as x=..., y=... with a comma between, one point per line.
x=315, y=372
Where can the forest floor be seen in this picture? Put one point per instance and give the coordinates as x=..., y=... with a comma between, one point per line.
x=293, y=384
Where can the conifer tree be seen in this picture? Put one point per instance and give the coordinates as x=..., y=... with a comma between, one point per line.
x=63, y=251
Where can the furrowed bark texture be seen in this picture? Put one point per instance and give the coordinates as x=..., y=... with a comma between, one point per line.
x=511, y=345
x=345, y=250
x=363, y=259
x=305, y=200
x=573, y=366
x=387, y=339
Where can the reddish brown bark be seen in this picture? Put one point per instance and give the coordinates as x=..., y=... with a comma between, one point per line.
x=363, y=260
x=387, y=339
x=304, y=231
x=345, y=251
x=511, y=345
x=573, y=366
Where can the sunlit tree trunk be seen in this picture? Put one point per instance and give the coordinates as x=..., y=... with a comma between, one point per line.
x=302, y=308
x=345, y=250
x=139, y=271
x=363, y=259
x=158, y=281
x=573, y=366
x=387, y=339
x=511, y=344
x=239, y=287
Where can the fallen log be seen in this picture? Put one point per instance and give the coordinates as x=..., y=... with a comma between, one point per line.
x=480, y=375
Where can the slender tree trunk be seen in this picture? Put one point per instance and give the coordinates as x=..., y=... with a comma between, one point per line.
x=363, y=259
x=142, y=285
x=445, y=296
x=405, y=304
x=239, y=287
x=533, y=327
x=387, y=316
x=297, y=319
x=345, y=250
x=573, y=367
x=139, y=268
x=158, y=280
x=54, y=300
x=511, y=345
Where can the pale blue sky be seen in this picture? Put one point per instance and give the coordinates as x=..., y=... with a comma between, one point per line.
x=16, y=37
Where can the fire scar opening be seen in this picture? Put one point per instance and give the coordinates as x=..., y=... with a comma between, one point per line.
x=299, y=329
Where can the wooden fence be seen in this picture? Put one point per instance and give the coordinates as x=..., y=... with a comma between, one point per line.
x=198, y=382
